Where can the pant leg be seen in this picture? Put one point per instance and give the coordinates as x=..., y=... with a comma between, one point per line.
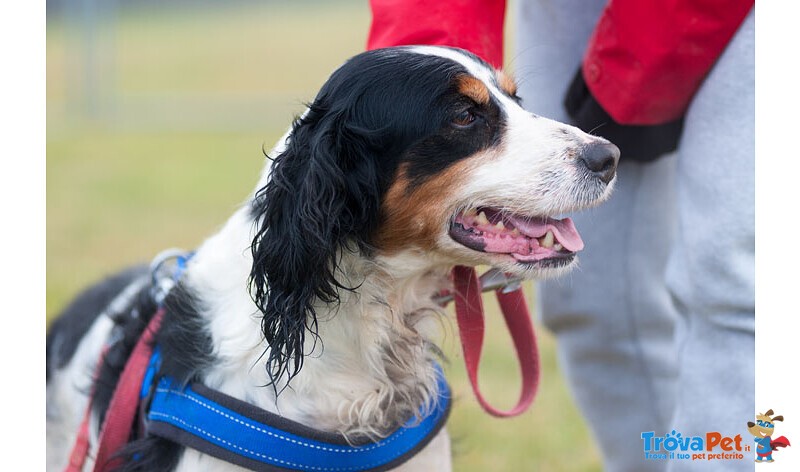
x=613, y=317
x=711, y=272
x=551, y=39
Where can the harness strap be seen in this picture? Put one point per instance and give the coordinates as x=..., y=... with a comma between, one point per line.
x=81, y=447
x=121, y=412
x=469, y=313
x=229, y=429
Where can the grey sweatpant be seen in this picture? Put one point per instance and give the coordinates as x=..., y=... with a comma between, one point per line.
x=656, y=326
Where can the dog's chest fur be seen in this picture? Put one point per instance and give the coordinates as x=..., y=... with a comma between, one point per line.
x=371, y=367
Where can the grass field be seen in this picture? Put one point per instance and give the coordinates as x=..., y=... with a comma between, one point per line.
x=167, y=140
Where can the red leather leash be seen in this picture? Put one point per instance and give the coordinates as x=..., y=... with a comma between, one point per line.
x=122, y=409
x=469, y=313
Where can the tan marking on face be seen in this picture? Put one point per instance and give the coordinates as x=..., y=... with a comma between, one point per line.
x=506, y=83
x=474, y=89
x=760, y=431
x=414, y=217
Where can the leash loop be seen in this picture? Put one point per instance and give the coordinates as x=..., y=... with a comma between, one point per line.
x=469, y=314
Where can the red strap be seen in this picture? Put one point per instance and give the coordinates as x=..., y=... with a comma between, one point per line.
x=81, y=448
x=121, y=411
x=469, y=313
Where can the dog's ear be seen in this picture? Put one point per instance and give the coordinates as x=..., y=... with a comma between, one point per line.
x=777, y=418
x=320, y=200
x=769, y=412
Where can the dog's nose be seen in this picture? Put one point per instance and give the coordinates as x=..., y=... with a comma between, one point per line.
x=601, y=159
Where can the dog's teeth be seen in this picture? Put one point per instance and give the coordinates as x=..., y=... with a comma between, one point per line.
x=557, y=247
x=471, y=213
x=547, y=240
x=515, y=232
x=481, y=219
x=500, y=226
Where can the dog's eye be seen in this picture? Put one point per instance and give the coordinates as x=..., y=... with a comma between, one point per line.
x=464, y=118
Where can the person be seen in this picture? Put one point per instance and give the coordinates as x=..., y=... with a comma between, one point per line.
x=656, y=327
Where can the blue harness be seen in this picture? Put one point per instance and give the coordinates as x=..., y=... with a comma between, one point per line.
x=198, y=417
x=214, y=423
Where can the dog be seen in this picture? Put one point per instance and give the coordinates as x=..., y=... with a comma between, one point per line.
x=762, y=431
x=315, y=300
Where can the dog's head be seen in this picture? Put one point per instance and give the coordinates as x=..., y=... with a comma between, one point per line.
x=421, y=149
x=764, y=425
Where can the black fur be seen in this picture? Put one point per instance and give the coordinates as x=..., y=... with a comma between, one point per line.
x=130, y=323
x=185, y=342
x=185, y=352
x=66, y=332
x=380, y=109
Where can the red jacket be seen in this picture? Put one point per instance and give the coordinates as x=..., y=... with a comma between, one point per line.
x=644, y=62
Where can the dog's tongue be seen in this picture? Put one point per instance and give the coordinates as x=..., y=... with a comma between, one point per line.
x=564, y=230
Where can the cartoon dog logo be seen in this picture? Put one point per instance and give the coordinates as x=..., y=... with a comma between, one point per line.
x=762, y=431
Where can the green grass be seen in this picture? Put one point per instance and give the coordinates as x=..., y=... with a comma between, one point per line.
x=186, y=103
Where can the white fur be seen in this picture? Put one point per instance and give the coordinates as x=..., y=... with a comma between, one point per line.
x=348, y=364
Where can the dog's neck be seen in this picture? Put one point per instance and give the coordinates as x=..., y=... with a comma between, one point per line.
x=372, y=366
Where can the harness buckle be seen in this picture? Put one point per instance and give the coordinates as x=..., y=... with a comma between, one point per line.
x=492, y=279
x=163, y=275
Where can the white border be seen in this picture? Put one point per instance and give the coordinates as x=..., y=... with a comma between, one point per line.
x=22, y=247
x=777, y=213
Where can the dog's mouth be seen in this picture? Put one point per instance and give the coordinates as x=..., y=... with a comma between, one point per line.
x=543, y=241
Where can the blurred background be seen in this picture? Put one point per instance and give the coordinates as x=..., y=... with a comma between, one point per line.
x=157, y=114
